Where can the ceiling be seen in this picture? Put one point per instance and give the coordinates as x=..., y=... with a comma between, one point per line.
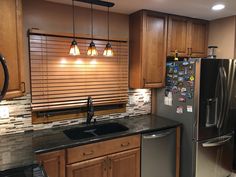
x=191, y=8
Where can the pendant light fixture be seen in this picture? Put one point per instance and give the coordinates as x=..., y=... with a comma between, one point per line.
x=74, y=49
x=108, y=52
x=92, y=51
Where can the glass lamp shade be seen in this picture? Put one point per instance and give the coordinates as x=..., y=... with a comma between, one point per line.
x=92, y=51
x=74, y=49
x=108, y=52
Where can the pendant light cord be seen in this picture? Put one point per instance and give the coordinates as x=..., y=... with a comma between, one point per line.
x=92, y=20
x=108, y=24
x=73, y=10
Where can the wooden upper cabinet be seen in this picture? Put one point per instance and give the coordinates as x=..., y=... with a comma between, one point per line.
x=177, y=35
x=11, y=45
x=187, y=36
x=198, y=38
x=90, y=168
x=148, y=35
x=125, y=164
x=53, y=163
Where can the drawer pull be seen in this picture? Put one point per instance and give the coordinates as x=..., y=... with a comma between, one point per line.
x=105, y=164
x=88, y=153
x=125, y=144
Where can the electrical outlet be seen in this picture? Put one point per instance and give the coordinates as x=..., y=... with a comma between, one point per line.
x=4, y=112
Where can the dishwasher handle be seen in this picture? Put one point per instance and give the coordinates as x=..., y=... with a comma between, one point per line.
x=157, y=135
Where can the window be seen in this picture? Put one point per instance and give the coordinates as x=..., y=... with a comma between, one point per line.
x=62, y=82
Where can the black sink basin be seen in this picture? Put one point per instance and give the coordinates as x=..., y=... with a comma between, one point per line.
x=94, y=130
x=104, y=129
x=79, y=133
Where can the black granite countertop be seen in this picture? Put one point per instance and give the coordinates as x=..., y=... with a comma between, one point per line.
x=21, y=148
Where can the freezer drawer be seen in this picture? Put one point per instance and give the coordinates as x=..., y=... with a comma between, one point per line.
x=158, y=154
x=214, y=157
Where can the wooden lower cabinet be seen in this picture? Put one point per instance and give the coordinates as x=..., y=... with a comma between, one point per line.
x=89, y=168
x=123, y=164
x=53, y=163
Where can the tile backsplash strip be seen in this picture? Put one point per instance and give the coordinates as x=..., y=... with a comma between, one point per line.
x=20, y=113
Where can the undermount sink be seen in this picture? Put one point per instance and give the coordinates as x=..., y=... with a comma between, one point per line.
x=94, y=130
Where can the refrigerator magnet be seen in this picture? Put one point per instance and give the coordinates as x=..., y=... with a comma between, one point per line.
x=185, y=63
x=189, y=108
x=183, y=89
x=189, y=95
x=191, y=78
x=182, y=99
x=180, y=110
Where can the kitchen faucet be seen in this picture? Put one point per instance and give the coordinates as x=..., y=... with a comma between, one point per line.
x=90, y=110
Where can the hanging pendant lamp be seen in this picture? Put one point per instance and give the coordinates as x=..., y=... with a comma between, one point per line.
x=108, y=52
x=92, y=50
x=74, y=49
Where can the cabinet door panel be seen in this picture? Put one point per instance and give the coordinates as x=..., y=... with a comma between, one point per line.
x=125, y=164
x=53, y=163
x=90, y=168
x=199, y=38
x=178, y=36
x=154, y=50
x=11, y=44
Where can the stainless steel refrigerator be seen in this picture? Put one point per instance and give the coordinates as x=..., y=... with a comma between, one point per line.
x=200, y=93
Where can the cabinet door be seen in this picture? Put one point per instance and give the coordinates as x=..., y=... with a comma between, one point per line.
x=198, y=40
x=90, y=168
x=124, y=164
x=178, y=36
x=11, y=44
x=53, y=163
x=154, y=49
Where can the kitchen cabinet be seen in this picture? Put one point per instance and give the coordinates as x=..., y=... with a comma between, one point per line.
x=53, y=163
x=116, y=165
x=92, y=168
x=148, y=36
x=187, y=36
x=113, y=158
x=125, y=163
x=11, y=46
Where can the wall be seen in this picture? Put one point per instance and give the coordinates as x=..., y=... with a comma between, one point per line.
x=222, y=34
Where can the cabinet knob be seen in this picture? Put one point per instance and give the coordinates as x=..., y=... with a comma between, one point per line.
x=125, y=144
x=88, y=153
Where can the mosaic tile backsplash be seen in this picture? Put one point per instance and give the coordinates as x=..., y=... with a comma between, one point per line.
x=19, y=120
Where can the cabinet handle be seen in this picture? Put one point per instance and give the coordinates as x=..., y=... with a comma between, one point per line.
x=191, y=52
x=105, y=164
x=88, y=153
x=23, y=86
x=188, y=52
x=125, y=144
x=110, y=164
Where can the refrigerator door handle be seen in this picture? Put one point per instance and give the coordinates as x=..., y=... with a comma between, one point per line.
x=6, y=77
x=220, y=141
x=157, y=135
x=222, y=85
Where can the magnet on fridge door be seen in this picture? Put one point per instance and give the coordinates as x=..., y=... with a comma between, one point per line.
x=183, y=89
x=174, y=89
x=189, y=95
x=189, y=108
x=191, y=78
x=185, y=63
x=182, y=99
x=180, y=110
x=180, y=79
x=183, y=94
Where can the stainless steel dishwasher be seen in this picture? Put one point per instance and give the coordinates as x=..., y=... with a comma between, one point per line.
x=158, y=154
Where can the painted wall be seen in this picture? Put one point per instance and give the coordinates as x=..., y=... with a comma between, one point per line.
x=222, y=34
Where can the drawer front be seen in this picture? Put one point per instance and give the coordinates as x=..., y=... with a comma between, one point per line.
x=89, y=151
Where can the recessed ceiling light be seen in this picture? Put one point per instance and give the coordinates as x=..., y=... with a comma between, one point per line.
x=218, y=7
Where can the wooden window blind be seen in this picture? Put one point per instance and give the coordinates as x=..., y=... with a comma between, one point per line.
x=60, y=81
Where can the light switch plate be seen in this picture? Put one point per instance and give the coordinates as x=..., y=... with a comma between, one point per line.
x=4, y=112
